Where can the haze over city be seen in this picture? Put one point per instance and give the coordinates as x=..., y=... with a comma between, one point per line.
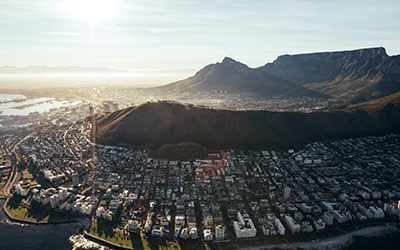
x=179, y=35
x=199, y=124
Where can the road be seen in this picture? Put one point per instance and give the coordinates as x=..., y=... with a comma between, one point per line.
x=66, y=142
x=15, y=175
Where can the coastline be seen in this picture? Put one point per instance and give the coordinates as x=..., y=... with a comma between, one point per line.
x=79, y=242
x=21, y=235
x=29, y=221
x=341, y=241
x=104, y=241
x=338, y=242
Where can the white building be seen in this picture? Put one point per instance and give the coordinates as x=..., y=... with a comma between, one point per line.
x=19, y=190
x=48, y=174
x=339, y=215
x=157, y=231
x=184, y=233
x=244, y=227
x=219, y=232
x=108, y=215
x=149, y=222
x=208, y=236
x=54, y=201
x=63, y=194
x=293, y=226
x=194, y=235
x=279, y=226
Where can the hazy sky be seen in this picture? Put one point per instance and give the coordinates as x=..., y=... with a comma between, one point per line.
x=188, y=34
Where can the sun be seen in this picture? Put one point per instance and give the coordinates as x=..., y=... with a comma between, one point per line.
x=91, y=11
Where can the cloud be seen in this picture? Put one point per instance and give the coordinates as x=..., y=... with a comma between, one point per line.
x=64, y=34
x=158, y=31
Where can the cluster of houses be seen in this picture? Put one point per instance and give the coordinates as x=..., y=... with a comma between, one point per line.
x=241, y=194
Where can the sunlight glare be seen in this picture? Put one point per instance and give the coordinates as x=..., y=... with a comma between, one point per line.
x=92, y=11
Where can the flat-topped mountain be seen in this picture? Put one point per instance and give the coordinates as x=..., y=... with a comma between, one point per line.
x=157, y=124
x=326, y=66
x=356, y=75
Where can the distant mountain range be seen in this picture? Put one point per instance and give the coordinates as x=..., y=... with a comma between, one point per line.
x=45, y=69
x=79, y=69
x=357, y=75
x=155, y=125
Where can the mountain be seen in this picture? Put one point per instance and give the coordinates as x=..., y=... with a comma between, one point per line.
x=233, y=77
x=357, y=75
x=154, y=125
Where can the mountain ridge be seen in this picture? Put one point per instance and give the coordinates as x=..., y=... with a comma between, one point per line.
x=354, y=75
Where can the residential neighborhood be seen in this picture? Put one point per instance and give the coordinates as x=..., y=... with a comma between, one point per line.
x=229, y=195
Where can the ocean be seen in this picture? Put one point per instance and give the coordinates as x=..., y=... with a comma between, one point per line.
x=386, y=242
x=16, y=236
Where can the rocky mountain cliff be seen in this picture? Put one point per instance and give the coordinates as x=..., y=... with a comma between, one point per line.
x=358, y=74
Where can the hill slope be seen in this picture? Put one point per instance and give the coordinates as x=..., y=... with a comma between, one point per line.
x=157, y=124
x=376, y=104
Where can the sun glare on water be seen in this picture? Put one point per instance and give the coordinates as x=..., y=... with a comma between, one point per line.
x=92, y=11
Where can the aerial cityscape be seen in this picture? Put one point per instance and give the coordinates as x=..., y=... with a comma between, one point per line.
x=128, y=125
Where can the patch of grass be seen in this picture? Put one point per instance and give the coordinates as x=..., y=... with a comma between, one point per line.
x=110, y=232
x=192, y=244
x=165, y=245
x=145, y=243
x=19, y=210
x=173, y=245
